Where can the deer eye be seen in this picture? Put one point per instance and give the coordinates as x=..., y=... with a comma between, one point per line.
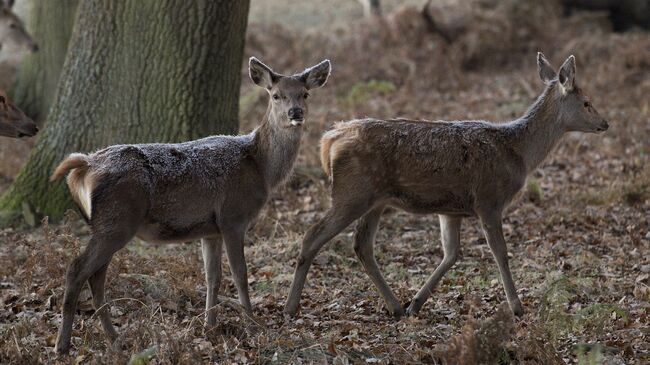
x=12, y=25
x=306, y=95
x=276, y=97
x=587, y=104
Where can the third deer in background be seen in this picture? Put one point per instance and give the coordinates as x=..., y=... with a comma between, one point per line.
x=454, y=169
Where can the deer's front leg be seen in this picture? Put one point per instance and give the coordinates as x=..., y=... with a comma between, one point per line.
x=234, y=241
x=211, y=248
x=492, y=228
x=450, y=237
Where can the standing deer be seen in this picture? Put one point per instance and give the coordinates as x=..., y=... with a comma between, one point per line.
x=13, y=122
x=211, y=188
x=454, y=169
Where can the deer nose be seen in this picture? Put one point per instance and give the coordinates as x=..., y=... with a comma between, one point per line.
x=603, y=126
x=296, y=114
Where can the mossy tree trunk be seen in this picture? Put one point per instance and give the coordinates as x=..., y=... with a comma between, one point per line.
x=50, y=24
x=136, y=71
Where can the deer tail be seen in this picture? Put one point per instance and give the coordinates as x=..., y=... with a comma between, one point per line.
x=73, y=161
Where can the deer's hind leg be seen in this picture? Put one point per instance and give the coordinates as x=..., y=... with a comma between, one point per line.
x=450, y=235
x=91, y=265
x=96, y=282
x=114, y=222
x=364, y=240
x=336, y=219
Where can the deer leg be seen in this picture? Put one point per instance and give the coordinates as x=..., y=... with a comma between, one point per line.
x=95, y=257
x=450, y=236
x=211, y=248
x=334, y=221
x=364, y=240
x=491, y=224
x=97, y=281
x=234, y=241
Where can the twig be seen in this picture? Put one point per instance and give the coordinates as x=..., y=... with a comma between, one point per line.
x=20, y=351
x=117, y=300
x=239, y=308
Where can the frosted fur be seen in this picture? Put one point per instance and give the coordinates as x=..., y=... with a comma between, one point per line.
x=207, y=162
x=454, y=169
x=212, y=188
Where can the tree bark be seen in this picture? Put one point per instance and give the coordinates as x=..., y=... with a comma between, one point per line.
x=136, y=72
x=50, y=24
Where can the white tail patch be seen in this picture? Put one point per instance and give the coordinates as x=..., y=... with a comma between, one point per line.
x=81, y=184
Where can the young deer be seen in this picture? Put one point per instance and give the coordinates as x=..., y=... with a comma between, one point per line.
x=455, y=169
x=13, y=36
x=13, y=122
x=212, y=188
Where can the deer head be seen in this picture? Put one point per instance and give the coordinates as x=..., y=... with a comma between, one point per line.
x=288, y=104
x=575, y=111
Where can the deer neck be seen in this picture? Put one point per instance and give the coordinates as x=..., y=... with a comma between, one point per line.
x=539, y=130
x=276, y=149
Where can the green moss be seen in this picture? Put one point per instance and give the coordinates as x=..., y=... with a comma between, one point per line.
x=362, y=92
x=533, y=190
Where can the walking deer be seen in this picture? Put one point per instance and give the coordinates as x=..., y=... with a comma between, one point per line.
x=455, y=169
x=13, y=122
x=211, y=188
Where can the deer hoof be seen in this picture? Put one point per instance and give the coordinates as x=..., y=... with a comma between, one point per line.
x=517, y=309
x=62, y=348
x=397, y=312
x=290, y=312
x=413, y=308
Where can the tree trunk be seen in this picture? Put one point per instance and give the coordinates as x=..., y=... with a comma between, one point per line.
x=50, y=24
x=136, y=71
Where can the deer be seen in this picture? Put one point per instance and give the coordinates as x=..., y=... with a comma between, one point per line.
x=455, y=169
x=210, y=189
x=13, y=121
x=13, y=36
x=15, y=41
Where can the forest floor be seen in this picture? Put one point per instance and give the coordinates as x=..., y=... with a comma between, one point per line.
x=578, y=236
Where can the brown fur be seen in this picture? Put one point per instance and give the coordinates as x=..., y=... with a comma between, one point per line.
x=454, y=169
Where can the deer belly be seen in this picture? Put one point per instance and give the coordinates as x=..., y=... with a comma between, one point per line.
x=173, y=232
x=440, y=202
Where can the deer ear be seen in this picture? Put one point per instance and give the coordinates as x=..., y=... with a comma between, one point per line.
x=567, y=74
x=261, y=74
x=316, y=76
x=546, y=71
x=8, y=3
